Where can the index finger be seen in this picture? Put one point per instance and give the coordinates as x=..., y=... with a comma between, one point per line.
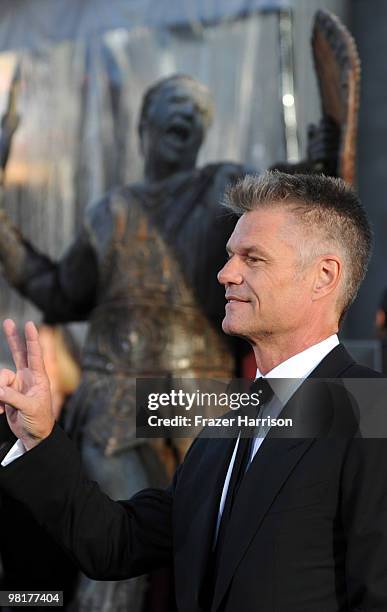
x=34, y=350
x=16, y=344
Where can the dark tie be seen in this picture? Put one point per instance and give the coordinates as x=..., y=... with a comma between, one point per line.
x=242, y=457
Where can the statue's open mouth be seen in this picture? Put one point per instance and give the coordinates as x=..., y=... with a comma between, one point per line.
x=178, y=133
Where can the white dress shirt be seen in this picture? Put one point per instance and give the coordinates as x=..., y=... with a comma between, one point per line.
x=298, y=368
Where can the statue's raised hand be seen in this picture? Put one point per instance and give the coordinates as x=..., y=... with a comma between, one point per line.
x=25, y=394
x=323, y=144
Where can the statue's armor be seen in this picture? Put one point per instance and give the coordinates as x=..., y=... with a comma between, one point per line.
x=148, y=321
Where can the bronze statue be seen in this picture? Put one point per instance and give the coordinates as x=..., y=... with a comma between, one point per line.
x=142, y=271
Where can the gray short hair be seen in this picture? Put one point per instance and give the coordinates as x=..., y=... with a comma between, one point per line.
x=325, y=204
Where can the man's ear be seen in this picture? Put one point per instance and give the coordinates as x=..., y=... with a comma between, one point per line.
x=328, y=274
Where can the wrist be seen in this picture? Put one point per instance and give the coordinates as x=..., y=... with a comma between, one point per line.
x=29, y=442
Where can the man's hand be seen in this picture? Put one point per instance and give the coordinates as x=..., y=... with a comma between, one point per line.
x=25, y=395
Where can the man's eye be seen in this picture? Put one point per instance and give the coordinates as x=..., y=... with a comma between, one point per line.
x=253, y=259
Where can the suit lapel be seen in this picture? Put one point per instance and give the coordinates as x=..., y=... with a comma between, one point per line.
x=271, y=467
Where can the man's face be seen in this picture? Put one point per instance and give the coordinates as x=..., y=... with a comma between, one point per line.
x=267, y=291
x=175, y=124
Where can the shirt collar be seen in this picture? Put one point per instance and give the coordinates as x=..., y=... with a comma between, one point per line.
x=294, y=370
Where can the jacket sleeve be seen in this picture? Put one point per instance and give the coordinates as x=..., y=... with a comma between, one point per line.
x=109, y=540
x=364, y=516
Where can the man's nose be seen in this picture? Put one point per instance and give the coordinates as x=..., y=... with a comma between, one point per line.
x=230, y=273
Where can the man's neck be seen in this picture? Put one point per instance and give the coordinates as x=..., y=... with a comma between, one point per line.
x=271, y=352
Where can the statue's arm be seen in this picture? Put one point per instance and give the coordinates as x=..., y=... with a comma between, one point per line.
x=63, y=290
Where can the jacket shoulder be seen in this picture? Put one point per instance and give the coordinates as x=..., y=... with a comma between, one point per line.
x=356, y=370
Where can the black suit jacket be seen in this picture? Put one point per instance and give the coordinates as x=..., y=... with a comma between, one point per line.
x=308, y=531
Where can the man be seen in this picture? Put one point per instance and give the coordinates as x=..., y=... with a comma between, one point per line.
x=307, y=528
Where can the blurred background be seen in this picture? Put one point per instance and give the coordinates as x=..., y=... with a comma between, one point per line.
x=85, y=65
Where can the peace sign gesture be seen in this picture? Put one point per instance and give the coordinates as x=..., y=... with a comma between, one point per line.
x=25, y=394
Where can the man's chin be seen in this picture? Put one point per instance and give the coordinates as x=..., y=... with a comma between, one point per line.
x=232, y=328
